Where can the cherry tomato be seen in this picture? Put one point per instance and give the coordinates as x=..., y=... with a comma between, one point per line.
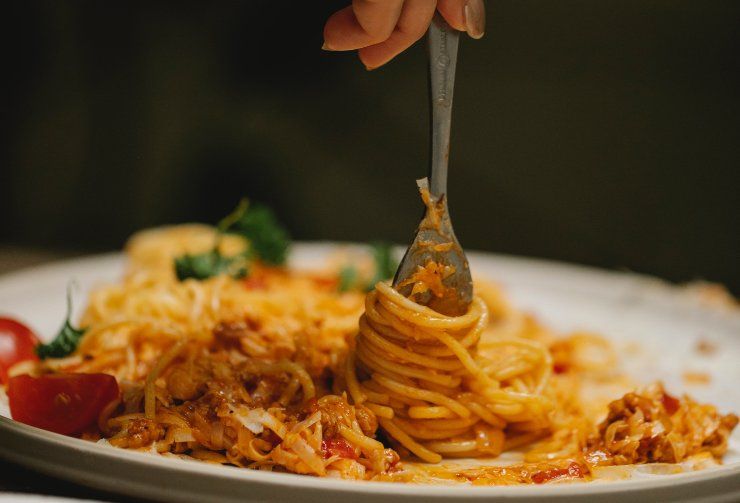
x=62, y=403
x=17, y=344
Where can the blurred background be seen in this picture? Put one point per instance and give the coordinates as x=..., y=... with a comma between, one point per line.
x=604, y=133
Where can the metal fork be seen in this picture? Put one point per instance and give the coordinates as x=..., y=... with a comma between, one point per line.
x=435, y=239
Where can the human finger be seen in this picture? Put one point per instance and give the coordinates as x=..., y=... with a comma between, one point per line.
x=412, y=24
x=465, y=15
x=364, y=23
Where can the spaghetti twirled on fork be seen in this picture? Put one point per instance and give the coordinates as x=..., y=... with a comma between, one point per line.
x=420, y=372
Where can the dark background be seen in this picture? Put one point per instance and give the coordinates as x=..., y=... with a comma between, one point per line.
x=598, y=132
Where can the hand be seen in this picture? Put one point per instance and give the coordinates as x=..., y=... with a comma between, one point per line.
x=382, y=29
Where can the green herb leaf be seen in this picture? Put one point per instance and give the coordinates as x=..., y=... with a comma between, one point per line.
x=268, y=239
x=347, y=278
x=235, y=216
x=385, y=263
x=384, y=267
x=66, y=340
x=268, y=242
x=209, y=264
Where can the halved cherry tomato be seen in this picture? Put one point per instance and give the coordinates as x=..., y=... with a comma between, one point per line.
x=62, y=403
x=17, y=344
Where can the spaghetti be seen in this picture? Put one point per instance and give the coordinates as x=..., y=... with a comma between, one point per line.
x=420, y=372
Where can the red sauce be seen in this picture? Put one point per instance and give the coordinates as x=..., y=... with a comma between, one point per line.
x=671, y=404
x=310, y=406
x=337, y=447
x=560, y=368
x=324, y=282
x=255, y=282
x=573, y=471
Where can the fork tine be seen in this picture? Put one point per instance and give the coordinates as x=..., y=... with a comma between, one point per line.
x=435, y=244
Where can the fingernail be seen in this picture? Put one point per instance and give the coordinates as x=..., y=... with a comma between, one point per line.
x=475, y=18
x=326, y=47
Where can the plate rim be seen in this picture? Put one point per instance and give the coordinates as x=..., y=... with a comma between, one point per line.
x=715, y=475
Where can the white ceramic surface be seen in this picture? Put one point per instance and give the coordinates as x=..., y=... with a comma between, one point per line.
x=663, y=322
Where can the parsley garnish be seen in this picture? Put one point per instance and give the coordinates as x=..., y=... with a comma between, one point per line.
x=66, y=340
x=347, y=278
x=268, y=239
x=209, y=264
x=384, y=263
x=268, y=242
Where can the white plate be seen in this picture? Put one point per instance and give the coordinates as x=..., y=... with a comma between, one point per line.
x=665, y=321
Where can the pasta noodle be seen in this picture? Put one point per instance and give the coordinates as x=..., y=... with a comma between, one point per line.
x=442, y=396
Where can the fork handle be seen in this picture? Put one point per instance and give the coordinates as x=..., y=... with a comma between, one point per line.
x=442, y=43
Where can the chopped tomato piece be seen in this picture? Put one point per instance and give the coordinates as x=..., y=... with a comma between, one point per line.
x=670, y=403
x=560, y=368
x=337, y=447
x=255, y=282
x=260, y=277
x=310, y=406
x=573, y=471
x=17, y=344
x=325, y=282
x=62, y=403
